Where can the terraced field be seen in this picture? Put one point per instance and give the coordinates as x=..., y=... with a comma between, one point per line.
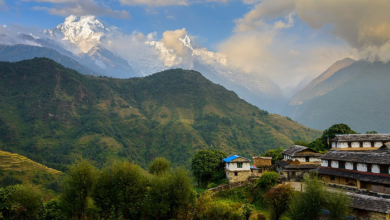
x=25, y=170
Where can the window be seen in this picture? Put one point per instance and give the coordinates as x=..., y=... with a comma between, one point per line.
x=307, y=159
x=346, y=180
x=239, y=165
x=342, y=164
x=385, y=169
x=235, y=173
x=354, y=166
x=369, y=168
x=329, y=163
x=332, y=178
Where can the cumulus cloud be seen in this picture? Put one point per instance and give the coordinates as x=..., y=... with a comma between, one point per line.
x=171, y=40
x=159, y=3
x=80, y=7
x=3, y=6
x=363, y=24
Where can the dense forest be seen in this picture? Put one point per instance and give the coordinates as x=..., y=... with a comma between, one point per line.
x=53, y=115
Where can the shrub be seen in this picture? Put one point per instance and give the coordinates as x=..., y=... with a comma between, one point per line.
x=268, y=180
x=212, y=185
x=10, y=180
x=159, y=165
x=277, y=200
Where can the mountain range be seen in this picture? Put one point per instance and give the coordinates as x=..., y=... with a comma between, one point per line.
x=107, y=51
x=351, y=92
x=54, y=115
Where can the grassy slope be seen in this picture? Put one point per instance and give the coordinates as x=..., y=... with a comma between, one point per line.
x=52, y=115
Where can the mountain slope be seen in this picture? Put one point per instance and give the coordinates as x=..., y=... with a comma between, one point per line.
x=22, y=52
x=360, y=101
x=52, y=115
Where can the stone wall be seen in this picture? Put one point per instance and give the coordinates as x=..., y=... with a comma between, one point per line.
x=228, y=186
x=240, y=177
x=259, y=161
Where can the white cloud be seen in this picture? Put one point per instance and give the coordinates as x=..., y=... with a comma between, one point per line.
x=160, y=3
x=171, y=40
x=80, y=7
x=3, y=6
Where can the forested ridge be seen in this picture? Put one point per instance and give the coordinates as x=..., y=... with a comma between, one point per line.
x=53, y=115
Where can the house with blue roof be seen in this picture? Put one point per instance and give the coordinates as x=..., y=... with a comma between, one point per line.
x=237, y=168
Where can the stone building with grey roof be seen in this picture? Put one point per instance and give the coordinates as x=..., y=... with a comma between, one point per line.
x=297, y=160
x=359, y=142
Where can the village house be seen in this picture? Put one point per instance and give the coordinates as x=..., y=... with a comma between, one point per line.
x=359, y=142
x=237, y=168
x=297, y=160
x=261, y=164
x=364, y=174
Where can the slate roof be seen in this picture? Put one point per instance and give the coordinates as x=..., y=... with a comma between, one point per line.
x=352, y=174
x=369, y=203
x=233, y=157
x=282, y=163
x=293, y=150
x=374, y=157
x=286, y=165
x=362, y=137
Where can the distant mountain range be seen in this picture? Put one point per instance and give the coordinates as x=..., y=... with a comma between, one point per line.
x=350, y=92
x=105, y=50
x=53, y=115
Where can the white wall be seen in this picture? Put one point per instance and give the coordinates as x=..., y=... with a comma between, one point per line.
x=348, y=165
x=333, y=144
x=355, y=145
x=375, y=168
x=362, y=167
x=324, y=163
x=342, y=144
x=335, y=164
x=378, y=144
x=233, y=166
x=366, y=144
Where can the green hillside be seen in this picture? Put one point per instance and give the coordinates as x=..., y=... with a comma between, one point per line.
x=53, y=115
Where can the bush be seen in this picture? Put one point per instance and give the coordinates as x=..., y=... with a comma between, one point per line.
x=211, y=185
x=337, y=203
x=277, y=200
x=268, y=180
x=10, y=181
x=159, y=165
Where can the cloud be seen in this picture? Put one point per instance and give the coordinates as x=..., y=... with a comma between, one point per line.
x=161, y=3
x=363, y=24
x=80, y=7
x=171, y=40
x=3, y=6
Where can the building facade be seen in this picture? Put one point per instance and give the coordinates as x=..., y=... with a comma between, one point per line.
x=297, y=160
x=237, y=168
x=359, y=142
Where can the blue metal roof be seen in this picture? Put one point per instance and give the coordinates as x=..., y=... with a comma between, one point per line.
x=230, y=158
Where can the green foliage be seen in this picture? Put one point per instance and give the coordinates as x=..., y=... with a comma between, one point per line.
x=211, y=185
x=159, y=165
x=208, y=208
x=321, y=144
x=267, y=180
x=301, y=143
x=104, y=194
x=308, y=204
x=275, y=154
x=51, y=114
x=371, y=132
x=337, y=203
x=78, y=187
x=205, y=163
x=277, y=200
x=247, y=210
x=53, y=210
x=10, y=180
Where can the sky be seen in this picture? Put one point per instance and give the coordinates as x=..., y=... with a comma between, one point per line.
x=286, y=40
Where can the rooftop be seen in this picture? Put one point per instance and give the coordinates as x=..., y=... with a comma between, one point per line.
x=296, y=149
x=352, y=174
x=362, y=137
x=369, y=203
x=374, y=157
x=233, y=157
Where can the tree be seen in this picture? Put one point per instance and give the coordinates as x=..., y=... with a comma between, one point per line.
x=321, y=144
x=27, y=202
x=104, y=194
x=247, y=210
x=308, y=204
x=337, y=203
x=130, y=187
x=275, y=154
x=205, y=163
x=159, y=165
x=268, y=180
x=301, y=142
x=77, y=188
x=371, y=132
x=53, y=210
x=277, y=200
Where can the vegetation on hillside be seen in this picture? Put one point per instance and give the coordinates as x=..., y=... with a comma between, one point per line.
x=53, y=115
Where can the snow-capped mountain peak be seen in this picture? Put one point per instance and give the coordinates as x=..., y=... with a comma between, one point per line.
x=187, y=42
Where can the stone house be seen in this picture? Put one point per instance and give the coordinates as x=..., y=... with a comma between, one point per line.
x=364, y=174
x=261, y=164
x=237, y=168
x=297, y=160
